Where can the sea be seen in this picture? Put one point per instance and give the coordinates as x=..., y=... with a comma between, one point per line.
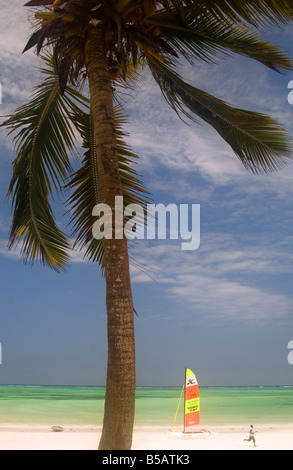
x=22, y=405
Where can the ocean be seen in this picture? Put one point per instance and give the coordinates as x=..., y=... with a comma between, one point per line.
x=155, y=406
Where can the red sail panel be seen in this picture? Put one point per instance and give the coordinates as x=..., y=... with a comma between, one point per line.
x=192, y=419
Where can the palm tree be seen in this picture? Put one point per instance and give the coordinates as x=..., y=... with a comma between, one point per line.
x=105, y=42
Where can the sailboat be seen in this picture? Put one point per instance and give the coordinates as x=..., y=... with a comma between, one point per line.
x=191, y=408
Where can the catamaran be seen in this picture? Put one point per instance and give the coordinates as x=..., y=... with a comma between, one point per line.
x=190, y=390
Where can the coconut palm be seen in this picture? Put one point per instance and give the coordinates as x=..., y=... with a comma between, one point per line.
x=104, y=42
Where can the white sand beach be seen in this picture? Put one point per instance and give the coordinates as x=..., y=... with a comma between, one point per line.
x=77, y=438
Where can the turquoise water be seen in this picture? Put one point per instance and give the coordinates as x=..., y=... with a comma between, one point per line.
x=84, y=406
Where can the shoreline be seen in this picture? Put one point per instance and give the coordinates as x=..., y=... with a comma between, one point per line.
x=76, y=437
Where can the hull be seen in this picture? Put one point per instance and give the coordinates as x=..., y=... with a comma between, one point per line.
x=189, y=435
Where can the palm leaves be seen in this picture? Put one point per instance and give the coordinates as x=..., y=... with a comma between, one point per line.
x=155, y=33
x=167, y=29
x=45, y=137
x=85, y=184
x=254, y=12
x=43, y=140
x=212, y=39
x=261, y=143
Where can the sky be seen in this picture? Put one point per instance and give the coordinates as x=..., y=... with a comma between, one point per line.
x=224, y=310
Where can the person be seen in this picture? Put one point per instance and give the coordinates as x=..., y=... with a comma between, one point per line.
x=251, y=436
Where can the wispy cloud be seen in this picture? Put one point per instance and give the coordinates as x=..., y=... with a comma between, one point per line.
x=4, y=251
x=221, y=281
x=17, y=78
x=163, y=141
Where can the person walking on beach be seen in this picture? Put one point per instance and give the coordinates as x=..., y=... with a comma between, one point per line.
x=251, y=436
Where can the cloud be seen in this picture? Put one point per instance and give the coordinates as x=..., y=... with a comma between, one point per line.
x=222, y=299
x=221, y=281
x=17, y=78
x=12, y=254
x=163, y=141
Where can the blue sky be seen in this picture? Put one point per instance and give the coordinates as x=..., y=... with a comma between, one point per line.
x=225, y=310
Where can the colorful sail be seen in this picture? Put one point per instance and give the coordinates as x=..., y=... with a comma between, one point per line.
x=192, y=400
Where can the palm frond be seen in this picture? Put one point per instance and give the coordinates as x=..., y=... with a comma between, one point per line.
x=84, y=184
x=43, y=136
x=211, y=38
x=260, y=142
x=254, y=12
x=38, y=3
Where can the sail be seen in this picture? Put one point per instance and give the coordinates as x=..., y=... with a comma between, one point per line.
x=192, y=400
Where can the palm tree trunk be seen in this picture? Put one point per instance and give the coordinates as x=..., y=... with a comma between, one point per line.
x=120, y=391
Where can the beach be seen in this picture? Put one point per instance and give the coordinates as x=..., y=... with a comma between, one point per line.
x=27, y=414
x=152, y=439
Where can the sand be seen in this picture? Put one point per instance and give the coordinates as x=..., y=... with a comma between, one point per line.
x=76, y=438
